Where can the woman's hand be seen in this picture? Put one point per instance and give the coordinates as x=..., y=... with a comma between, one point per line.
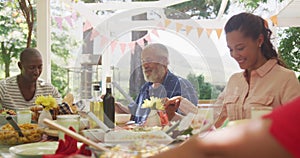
x=121, y=109
x=171, y=105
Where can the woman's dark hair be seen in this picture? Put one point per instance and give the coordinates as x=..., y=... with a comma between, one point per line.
x=252, y=26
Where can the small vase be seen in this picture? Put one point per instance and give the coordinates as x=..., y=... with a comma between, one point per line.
x=153, y=119
x=164, y=120
x=44, y=114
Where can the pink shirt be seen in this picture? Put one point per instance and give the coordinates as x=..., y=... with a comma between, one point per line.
x=270, y=85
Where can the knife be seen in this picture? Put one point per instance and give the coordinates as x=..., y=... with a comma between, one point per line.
x=13, y=123
x=94, y=117
x=128, y=98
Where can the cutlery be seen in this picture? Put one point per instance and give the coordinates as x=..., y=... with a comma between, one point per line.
x=13, y=123
x=94, y=117
x=74, y=135
x=173, y=127
x=128, y=98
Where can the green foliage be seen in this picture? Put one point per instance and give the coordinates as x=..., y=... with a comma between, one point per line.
x=200, y=8
x=59, y=77
x=12, y=34
x=289, y=48
x=253, y=4
x=62, y=44
x=204, y=89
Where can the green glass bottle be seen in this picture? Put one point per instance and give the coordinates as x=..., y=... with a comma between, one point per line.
x=109, y=105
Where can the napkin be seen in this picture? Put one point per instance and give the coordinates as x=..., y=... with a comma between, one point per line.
x=69, y=147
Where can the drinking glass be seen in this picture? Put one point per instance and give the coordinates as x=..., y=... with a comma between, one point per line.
x=68, y=121
x=259, y=111
x=209, y=112
x=23, y=115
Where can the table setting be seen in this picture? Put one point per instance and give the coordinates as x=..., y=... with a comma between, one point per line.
x=132, y=140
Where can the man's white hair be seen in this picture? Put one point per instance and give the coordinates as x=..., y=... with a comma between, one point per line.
x=157, y=49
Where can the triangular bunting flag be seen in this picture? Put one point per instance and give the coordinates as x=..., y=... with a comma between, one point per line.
x=103, y=41
x=113, y=46
x=199, y=30
x=94, y=34
x=74, y=16
x=208, y=31
x=274, y=20
x=87, y=25
x=68, y=19
x=148, y=38
x=155, y=32
x=131, y=46
x=167, y=22
x=160, y=26
x=141, y=42
x=219, y=31
x=178, y=27
x=123, y=47
x=59, y=22
x=188, y=29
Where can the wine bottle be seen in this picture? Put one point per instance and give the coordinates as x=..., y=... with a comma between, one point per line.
x=109, y=105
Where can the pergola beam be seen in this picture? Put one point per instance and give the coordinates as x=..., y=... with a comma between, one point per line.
x=113, y=5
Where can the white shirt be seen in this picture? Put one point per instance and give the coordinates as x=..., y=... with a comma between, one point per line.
x=11, y=96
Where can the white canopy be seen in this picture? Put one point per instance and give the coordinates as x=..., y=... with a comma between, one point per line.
x=289, y=16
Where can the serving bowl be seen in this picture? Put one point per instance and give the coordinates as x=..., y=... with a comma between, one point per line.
x=122, y=118
x=96, y=135
x=32, y=133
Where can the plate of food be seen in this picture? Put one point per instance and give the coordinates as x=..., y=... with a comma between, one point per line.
x=130, y=136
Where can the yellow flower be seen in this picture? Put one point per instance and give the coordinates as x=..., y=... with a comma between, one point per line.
x=48, y=102
x=153, y=103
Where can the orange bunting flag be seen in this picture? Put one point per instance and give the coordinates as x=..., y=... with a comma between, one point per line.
x=219, y=31
x=188, y=29
x=199, y=30
x=178, y=27
x=208, y=31
x=274, y=20
x=167, y=22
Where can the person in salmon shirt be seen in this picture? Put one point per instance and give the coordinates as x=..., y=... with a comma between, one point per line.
x=275, y=135
x=265, y=80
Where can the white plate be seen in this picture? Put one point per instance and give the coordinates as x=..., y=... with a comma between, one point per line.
x=34, y=150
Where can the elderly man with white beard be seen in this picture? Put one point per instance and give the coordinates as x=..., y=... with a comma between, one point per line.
x=160, y=83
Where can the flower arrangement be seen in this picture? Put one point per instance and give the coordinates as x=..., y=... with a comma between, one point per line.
x=48, y=102
x=154, y=103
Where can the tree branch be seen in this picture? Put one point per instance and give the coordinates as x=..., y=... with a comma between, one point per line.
x=29, y=16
